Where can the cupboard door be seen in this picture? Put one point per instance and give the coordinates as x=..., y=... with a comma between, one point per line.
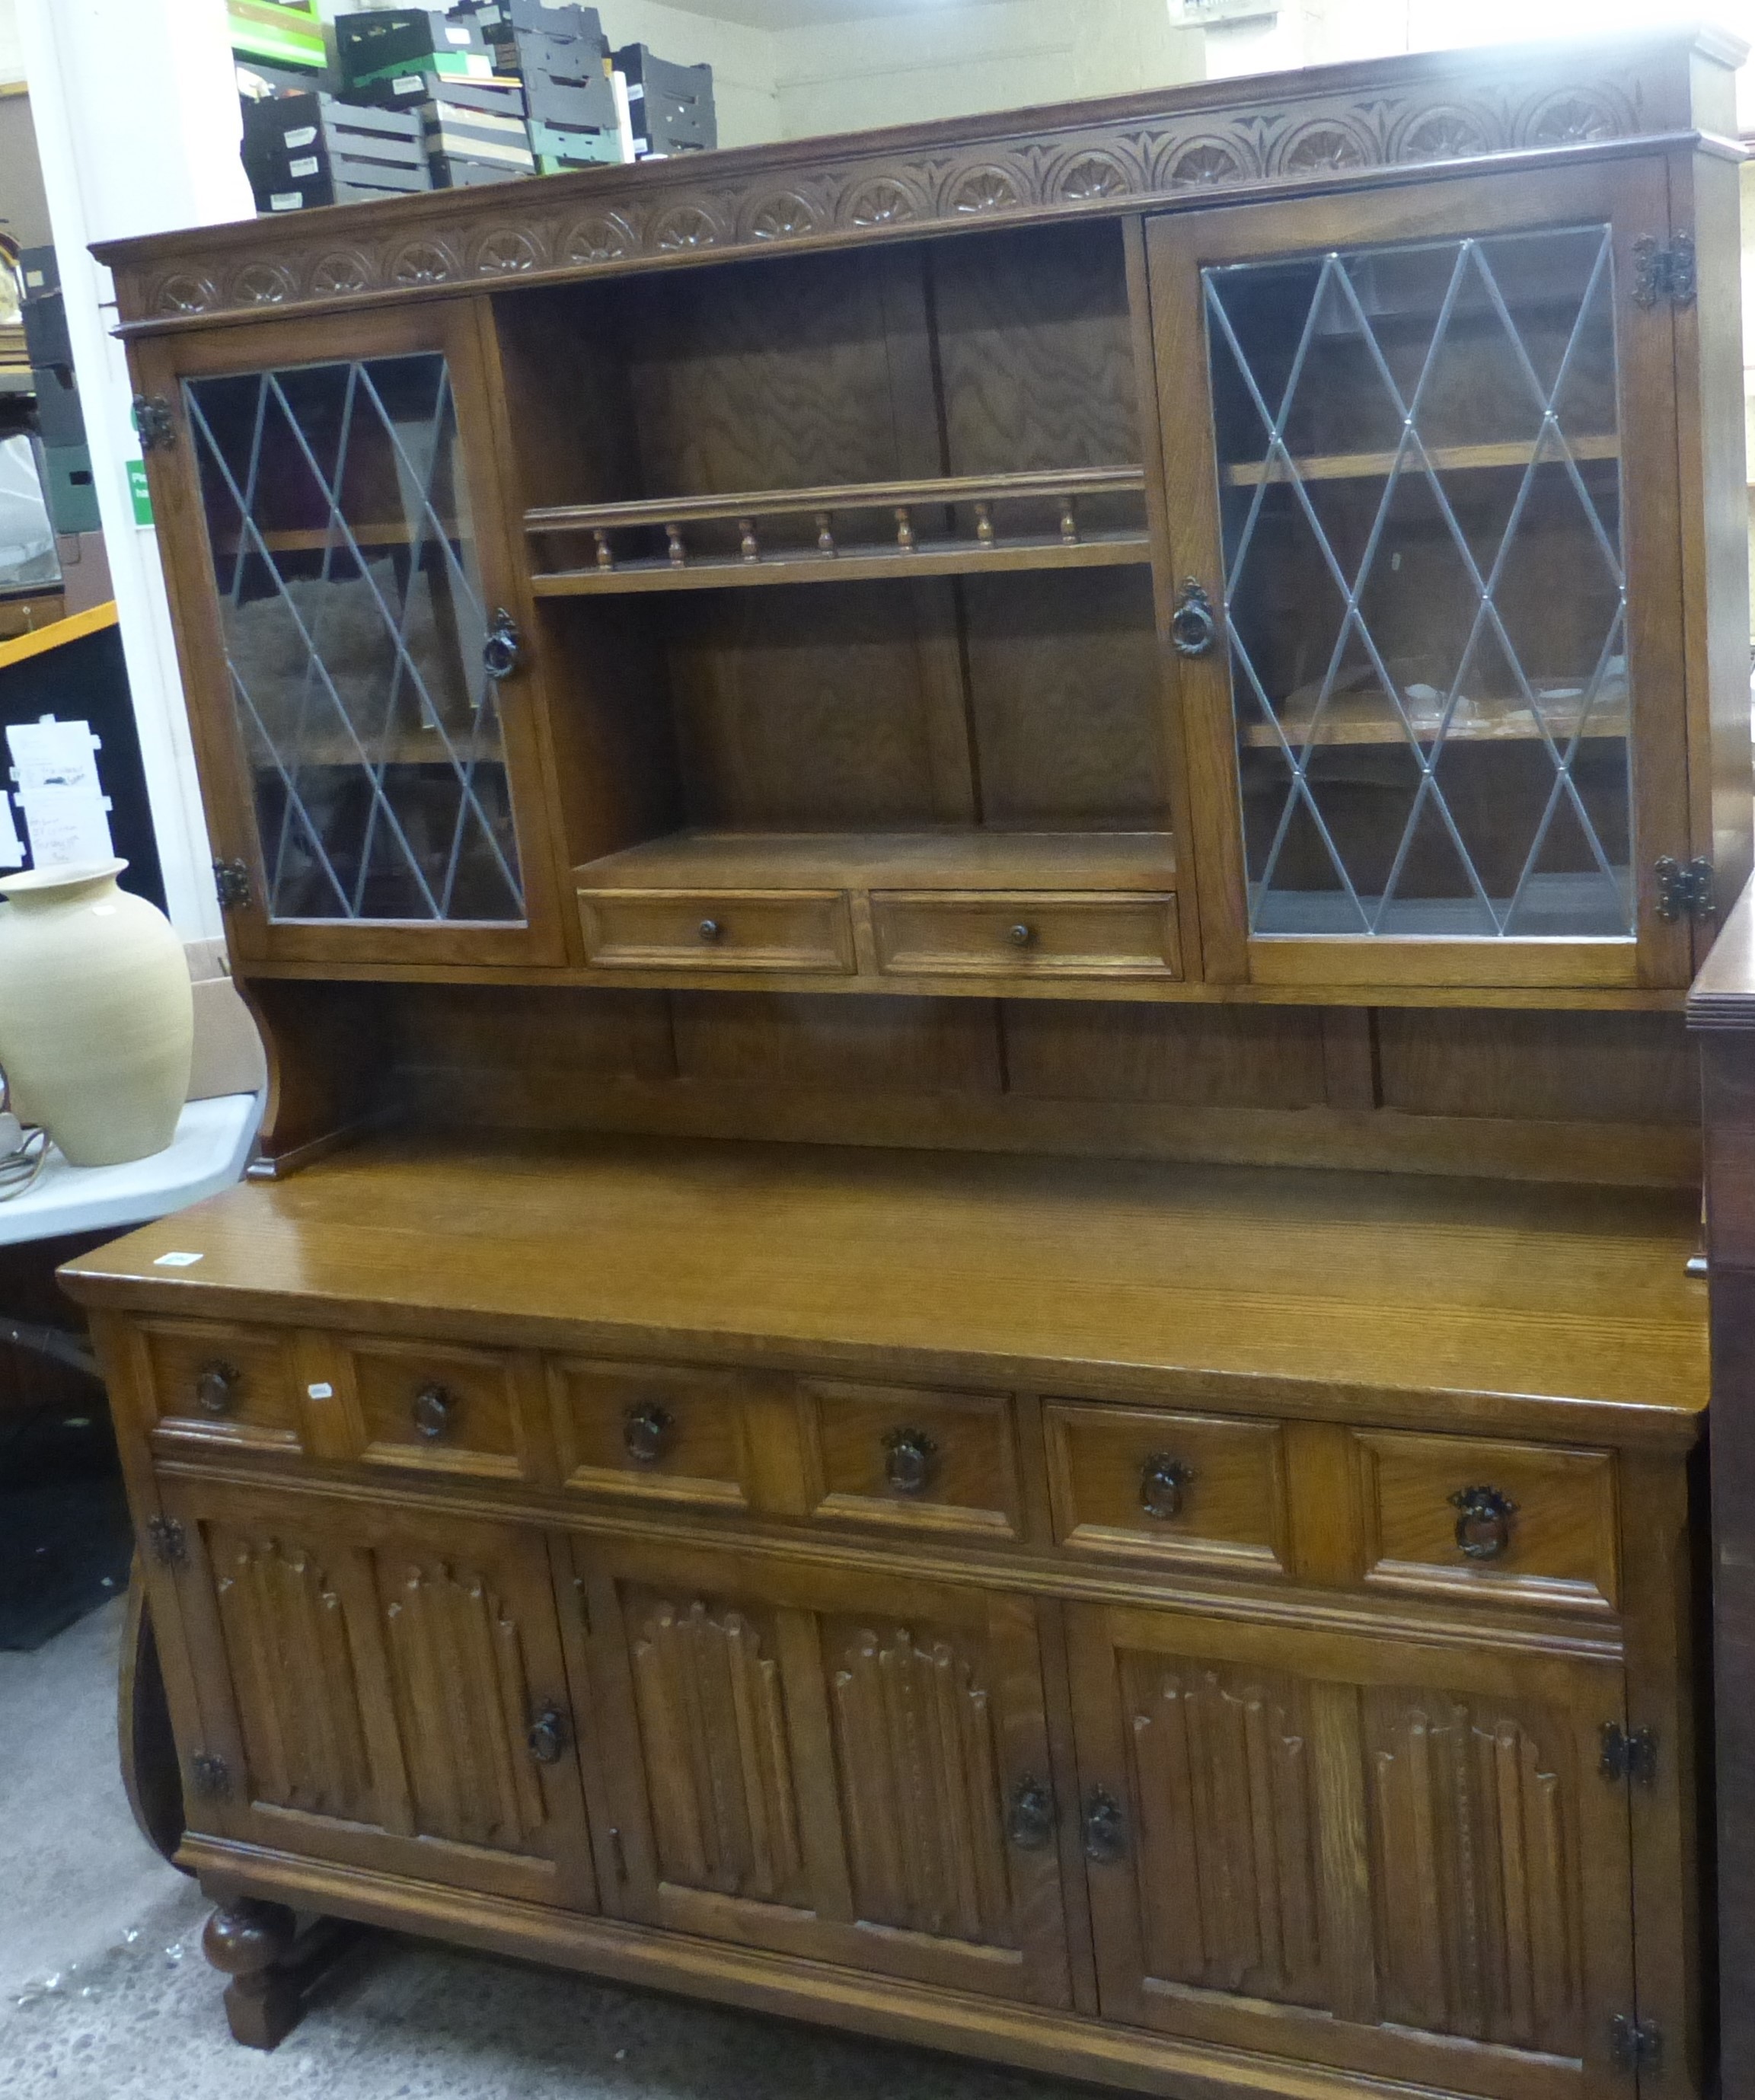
x=382, y=1688
x=846, y=1766
x=341, y=561
x=1430, y=643
x=1395, y=1859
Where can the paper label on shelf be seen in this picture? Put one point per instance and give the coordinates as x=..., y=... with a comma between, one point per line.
x=11, y=845
x=457, y=36
x=177, y=1259
x=305, y=135
x=286, y=200
x=407, y=83
x=308, y=166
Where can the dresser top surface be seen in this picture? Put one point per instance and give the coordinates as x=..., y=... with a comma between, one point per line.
x=1242, y=1285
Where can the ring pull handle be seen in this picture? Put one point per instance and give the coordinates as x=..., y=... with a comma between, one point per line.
x=434, y=1410
x=1163, y=1483
x=910, y=1461
x=547, y=1736
x=1105, y=1827
x=217, y=1388
x=1193, y=628
x=499, y=650
x=1484, y=1522
x=1029, y=1820
x=646, y=1433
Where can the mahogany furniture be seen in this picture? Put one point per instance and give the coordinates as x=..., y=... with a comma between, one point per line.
x=971, y=857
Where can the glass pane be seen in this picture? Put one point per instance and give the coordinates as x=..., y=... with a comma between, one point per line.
x=337, y=515
x=1419, y=472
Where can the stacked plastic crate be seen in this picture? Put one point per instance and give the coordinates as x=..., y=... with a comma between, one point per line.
x=440, y=70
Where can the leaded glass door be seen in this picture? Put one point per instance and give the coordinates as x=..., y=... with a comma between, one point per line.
x=363, y=695
x=1412, y=601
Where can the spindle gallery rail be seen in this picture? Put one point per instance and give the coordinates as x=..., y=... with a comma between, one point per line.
x=910, y=545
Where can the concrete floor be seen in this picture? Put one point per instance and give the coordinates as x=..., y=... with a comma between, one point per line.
x=104, y=1994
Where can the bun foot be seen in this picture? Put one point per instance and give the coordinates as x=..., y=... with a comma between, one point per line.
x=252, y=1943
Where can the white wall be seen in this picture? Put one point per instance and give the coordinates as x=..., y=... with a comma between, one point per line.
x=137, y=126
x=744, y=61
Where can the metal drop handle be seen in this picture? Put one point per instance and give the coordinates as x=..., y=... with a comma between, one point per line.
x=1105, y=1827
x=910, y=1460
x=1484, y=1522
x=1029, y=1820
x=1162, y=1482
x=646, y=1432
x=546, y=1736
x=434, y=1410
x=217, y=1388
x=1193, y=628
x=499, y=651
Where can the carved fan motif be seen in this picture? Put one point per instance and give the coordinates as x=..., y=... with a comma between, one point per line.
x=782, y=217
x=186, y=294
x=342, y=272
x=1092, y=175
x=1570, y=119
x=1204, y=165
x=883, y=201
x=1322, y=147
x=685, y=226
x=982, y=189
x=506, y=249
x=263, y=284
x=606, y=239
x=421, y=262
x=1442, y=134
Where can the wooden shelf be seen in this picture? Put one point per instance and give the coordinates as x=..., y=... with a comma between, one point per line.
x=948, y=860
x=927, y=557
x=1362, y=718
x=314, y=539
x=406, y=747
x=1359, y=467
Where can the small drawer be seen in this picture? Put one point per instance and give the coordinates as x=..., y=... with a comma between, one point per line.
x=1024, y=935
x=720, y=929
x=439, y=1410
x=1192, y=1488
x=923, y=1461
x=668, y=1433
x=236, y=1386
x=1527, y=1523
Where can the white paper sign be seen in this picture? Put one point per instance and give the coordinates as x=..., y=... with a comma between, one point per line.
x=54, y=764
x=11, y=845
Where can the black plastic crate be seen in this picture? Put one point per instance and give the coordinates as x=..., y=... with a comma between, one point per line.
x=304, y=150
x=670, y=107
x=568, y=83
x=368, y=47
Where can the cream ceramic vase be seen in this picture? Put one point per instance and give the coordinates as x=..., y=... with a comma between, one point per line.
x=97, y=1021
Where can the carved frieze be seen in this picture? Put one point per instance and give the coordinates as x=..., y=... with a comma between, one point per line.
x=1296, y=131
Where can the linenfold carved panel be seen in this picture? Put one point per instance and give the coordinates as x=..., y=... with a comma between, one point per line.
x=463, y=1706
x=1476, y=1870
x=921, y=1799
x=1401, y=114
x=1228, y=1839
x=713, y=1736
x=294, y=1676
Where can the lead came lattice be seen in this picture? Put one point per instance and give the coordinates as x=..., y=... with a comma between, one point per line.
x=338, y=523
x=1424, y=594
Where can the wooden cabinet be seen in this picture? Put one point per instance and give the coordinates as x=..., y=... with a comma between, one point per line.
x=1398, y=1847
x=969, y=857
x=852, y=1768
x=379, y=1688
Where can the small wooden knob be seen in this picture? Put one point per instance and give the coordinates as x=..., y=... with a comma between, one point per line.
x=1022, y=935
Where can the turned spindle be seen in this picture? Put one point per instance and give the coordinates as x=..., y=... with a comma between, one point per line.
x=679, y=554
x=904, y=530
x=1069, y=521
x=748, y=545
x=605, y=556
x=825, y=537
x=983, y=524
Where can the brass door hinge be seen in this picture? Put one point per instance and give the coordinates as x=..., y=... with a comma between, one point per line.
x=1664, y=273
x=167, y=1542
x=232, y=885
x=154, y=423
x=1683, y=893
x=1635, y=2045
x=1630, y=1754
